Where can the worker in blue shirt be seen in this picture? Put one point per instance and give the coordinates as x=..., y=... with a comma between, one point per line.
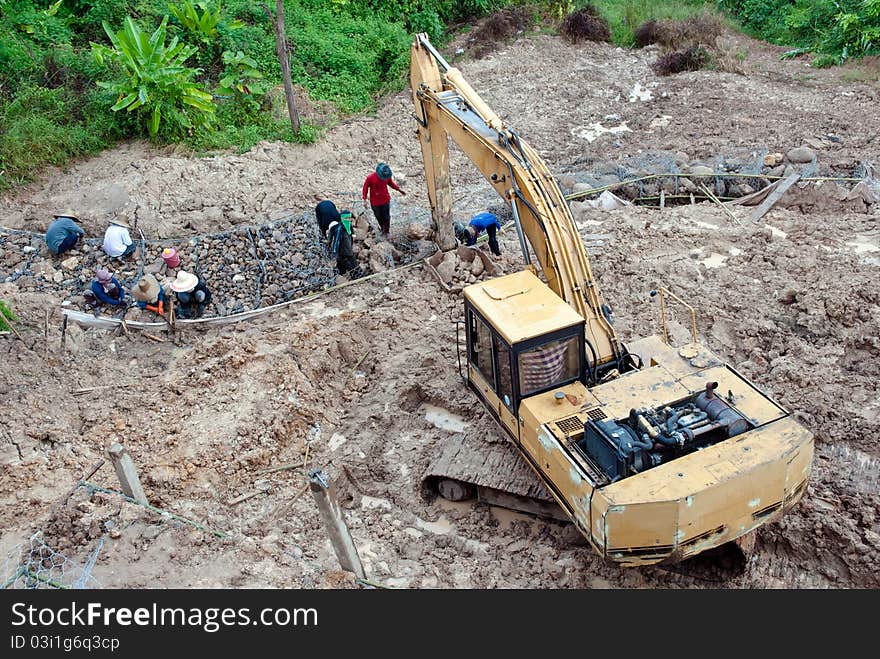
x=488, y=222
x=106, y=289
x=63, y=233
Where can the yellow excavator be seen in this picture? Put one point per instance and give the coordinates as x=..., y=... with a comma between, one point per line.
x=656, y=453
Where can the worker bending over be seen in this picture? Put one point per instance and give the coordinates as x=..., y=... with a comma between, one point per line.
x=63, y=233
x=488, y=222
x=335, y=227
x=149, y=295
x=192, y=294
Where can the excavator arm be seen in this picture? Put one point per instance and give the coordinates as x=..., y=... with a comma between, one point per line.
x=448, y=107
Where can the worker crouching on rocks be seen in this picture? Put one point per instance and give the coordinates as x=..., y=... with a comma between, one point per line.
x=64, y=233
x=105, y=289
x=149, y=295
x=192, y=294
x=488, y=222
x=335, y=227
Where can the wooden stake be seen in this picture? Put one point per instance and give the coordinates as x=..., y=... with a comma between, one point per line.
x=127, y=474
x=334, y=523
x=46, y=337
x=718, y=201
x=154, y=338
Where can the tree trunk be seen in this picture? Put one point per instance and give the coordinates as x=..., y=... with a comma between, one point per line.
x=283, y=59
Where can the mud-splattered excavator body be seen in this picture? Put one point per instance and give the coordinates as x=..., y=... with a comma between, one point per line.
x=656, y=453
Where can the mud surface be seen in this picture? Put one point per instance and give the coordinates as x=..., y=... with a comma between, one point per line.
x=363, y=382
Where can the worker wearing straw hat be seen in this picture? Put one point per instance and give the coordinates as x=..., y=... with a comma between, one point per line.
x=192, y=294
x=117, y=241
x=150, y=295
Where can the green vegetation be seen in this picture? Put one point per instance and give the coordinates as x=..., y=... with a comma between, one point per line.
x=155, y=82
x=6, y=316
x=204, y=73
x=624, y=16
x=833, y=30
x=78, y=75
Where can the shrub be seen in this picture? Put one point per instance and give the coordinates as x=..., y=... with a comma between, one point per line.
x=646, y=34
x=157, y=83
x=6, y=316
x=692, y=59
x=586, y=24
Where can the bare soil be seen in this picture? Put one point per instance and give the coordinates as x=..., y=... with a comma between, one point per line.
x=351, y=380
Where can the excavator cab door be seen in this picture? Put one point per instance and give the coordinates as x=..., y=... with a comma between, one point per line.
x=490, y=371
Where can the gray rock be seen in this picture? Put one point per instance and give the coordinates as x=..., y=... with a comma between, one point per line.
x=701, y=170
x=801, y=155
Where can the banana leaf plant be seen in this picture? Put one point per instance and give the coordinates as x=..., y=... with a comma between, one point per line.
x=154, y=81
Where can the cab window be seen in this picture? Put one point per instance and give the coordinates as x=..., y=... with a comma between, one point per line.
x=481, y=349
x=548, y=365
x=504, y=387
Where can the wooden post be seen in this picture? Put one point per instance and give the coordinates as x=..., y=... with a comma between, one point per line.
x=334, y=522
x=127, y=474
x=284, y=60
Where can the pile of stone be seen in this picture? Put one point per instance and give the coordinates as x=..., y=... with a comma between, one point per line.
x=463, y=266
x=725, y=176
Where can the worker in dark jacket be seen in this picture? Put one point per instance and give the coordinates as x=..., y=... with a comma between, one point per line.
x=192, y=294
x=488, y=222
x=106, y=289
x=335, y=227
x=63, y=233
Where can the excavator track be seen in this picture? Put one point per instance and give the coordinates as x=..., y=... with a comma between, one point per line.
x=471, y=468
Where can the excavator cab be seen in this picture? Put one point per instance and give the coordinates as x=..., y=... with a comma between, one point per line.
x=523, y=340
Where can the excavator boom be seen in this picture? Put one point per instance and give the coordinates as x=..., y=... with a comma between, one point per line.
x=446, y=105
x=655, y=455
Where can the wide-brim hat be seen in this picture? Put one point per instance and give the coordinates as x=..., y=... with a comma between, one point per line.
x=147, y=289
x=184, y=282
x=66, y=213
x=120, y=220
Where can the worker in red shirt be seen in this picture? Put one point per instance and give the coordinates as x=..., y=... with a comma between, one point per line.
x=380, y=199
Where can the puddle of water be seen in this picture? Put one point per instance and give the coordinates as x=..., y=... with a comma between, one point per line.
x=714, y=260
x=506, y=517
x=441, y=527
x=592, y=132
x=444, y=419
x=640, y=94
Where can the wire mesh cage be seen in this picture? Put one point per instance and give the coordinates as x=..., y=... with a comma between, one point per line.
x=35, y=565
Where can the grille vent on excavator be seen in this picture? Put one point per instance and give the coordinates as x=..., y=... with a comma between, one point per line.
x=570, y=425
